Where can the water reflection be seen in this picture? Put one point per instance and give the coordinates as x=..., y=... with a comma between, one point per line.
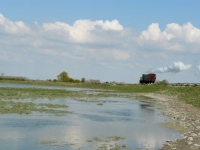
x=12, y=135
x=89, y=127
x=147, y=106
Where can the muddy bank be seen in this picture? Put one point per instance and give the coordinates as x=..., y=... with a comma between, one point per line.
x=186, y=118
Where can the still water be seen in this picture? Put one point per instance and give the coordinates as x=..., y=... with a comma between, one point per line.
x=118, y=122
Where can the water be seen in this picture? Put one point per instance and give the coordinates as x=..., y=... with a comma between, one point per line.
x=137, y=124
x=41, y=86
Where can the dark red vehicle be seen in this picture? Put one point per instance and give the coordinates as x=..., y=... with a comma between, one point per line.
x=148, y=78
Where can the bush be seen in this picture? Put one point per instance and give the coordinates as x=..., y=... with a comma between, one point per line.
x=163, y=82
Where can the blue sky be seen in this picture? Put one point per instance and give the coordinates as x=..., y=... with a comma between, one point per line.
x=107, y=40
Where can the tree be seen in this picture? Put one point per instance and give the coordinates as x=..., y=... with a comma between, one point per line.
x=83, y=80
x=63, y=77
x=164, y=82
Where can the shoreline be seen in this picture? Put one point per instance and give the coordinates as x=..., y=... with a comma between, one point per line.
x=185, y=116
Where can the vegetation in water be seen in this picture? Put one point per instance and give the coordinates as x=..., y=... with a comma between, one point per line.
x=48, y=142
x=187, y=93
x=108, y=143
x=28, y=107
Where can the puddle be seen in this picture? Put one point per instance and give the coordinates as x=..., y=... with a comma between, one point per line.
x=119, y=122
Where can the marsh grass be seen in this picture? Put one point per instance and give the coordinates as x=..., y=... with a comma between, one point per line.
x=48, y=142
x=34, y=93
x=108, y=143
x=7, y=107
x=100, y=104
x=16, y=107
x=52, y=105
x=86, y=100
x=189, y=94
x=116, y=138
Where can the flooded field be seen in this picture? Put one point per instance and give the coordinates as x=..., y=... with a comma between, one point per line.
x=97, y=120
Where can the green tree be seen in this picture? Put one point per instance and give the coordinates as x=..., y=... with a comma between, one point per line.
x=83, y=80
x=63, y=77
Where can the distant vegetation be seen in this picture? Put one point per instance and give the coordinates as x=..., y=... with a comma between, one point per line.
x=62, y=77
x=13, y=78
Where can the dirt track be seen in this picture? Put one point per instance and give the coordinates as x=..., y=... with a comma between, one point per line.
x=186, y=118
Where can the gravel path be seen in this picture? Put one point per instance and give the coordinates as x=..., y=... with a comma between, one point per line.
x=186, y=117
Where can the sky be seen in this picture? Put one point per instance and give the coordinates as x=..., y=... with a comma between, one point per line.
x=107, y=40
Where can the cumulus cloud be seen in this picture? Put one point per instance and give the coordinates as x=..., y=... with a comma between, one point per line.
x=100, y=41
x=153, y=33
x=81, y=40
x=187, y=32
x=174, y=37
x=82, y=30
x=11, y=27
x=173, y=68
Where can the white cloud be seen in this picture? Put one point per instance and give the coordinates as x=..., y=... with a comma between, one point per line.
x=92, y=43
x=110, y=25
x=173, y=68
x=187, y=32
x=174, y=37
x=153, y=33
x=120, y=55
x=11, y=27
x=82, y=30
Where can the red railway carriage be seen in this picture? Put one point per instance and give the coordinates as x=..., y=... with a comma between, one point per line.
x=148, y=78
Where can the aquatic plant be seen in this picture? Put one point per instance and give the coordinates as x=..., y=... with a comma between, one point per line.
x=116, y=138
x=29, y=107
x=100, y=104
x=108, y=143
x=48, y=142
